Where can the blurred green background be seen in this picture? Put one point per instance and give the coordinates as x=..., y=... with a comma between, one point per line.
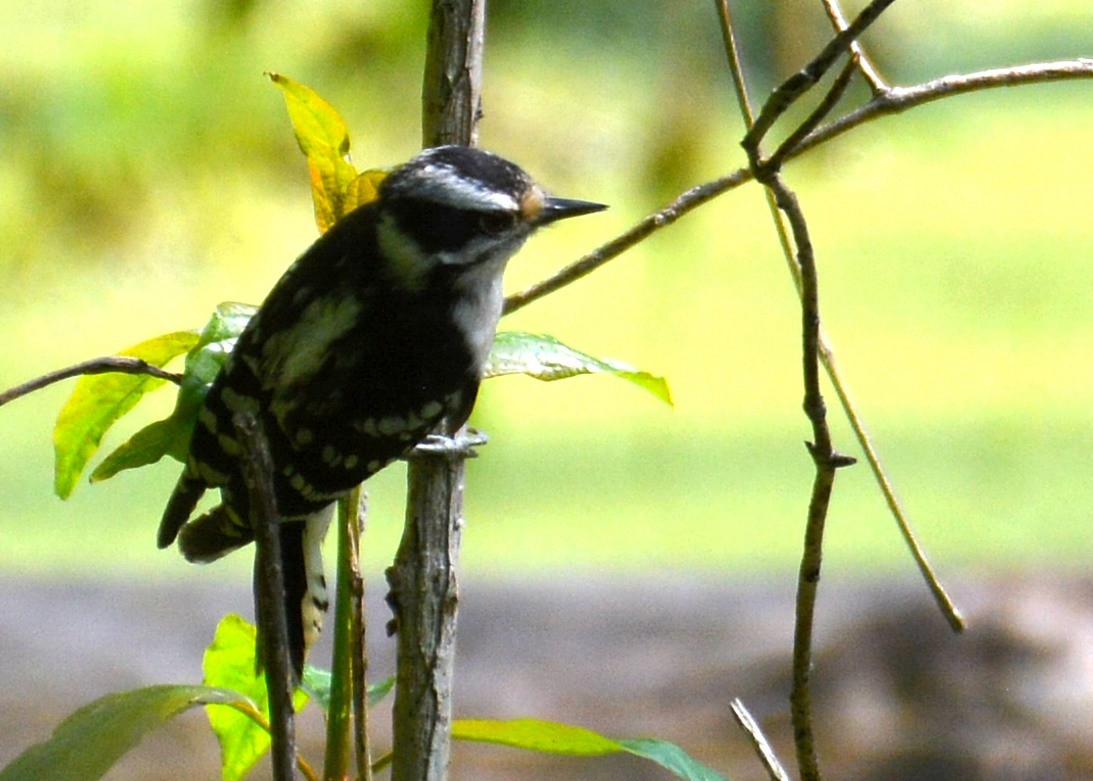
x=149, y=172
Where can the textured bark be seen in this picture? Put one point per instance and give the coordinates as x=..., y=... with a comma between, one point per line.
x=424, y=591
x=424, y=594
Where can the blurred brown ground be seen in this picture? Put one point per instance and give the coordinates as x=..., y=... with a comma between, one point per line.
x=897, y=695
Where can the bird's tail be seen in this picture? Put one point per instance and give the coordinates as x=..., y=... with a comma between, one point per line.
x=187, y=493
x=213, y=535
x=306, y=599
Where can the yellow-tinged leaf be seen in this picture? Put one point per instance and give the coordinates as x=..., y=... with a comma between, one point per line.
x=550, y=737
x=229, y=663
x=363, y=189
x=535, y=735
x=323, y=138
x=99, y=400
x=318, y=125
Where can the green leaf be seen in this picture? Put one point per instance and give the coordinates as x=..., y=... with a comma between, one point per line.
x=377, y=691
x=547, y=737
x=88, y=743
x=317, y=684
x=147, y=446
x=552, y=738
x=230, y=663
x=671, y=757
x=324, y=140
x=171, y=436
x=99, y=400
x=545, y=358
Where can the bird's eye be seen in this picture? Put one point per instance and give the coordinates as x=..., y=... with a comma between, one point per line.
x=496, y=223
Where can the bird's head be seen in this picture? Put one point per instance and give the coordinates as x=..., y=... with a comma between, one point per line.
x=459, y=207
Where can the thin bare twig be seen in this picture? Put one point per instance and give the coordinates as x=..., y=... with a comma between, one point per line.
x=826, y=461
x=899, y=99
x=941, y=597
x=661, y=218
x=728, y=31
x=823, y=108
x=787, y=93
x=736, y=70
x=824, y=457
x=270, y=587
x=896, y=100
x=758, y=741
x=857, y=52
x=121, y=364
x=827, y=353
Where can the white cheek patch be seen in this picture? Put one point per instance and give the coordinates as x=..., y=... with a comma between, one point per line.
x=405, y=258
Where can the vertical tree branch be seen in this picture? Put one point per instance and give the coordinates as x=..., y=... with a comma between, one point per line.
x=424, y=579
x=424, y=595
x=424, y=591
x=269, y=584
x=451, y=100
x=360, y=642
x=826, y=461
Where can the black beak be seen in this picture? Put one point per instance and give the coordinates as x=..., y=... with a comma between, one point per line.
x=560, y=208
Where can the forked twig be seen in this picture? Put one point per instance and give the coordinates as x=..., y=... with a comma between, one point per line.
x=824, y=457
x=895, y=100
x=787, y=93
x=825, y=106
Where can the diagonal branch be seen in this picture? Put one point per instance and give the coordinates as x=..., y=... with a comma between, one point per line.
x=112, y=363
x=758, y=741
x=899, y=99
x=799, y=83
x=857, y=52
x=825, y=107
x=689, y=200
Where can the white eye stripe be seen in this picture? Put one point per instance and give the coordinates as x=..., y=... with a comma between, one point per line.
x=444, y=184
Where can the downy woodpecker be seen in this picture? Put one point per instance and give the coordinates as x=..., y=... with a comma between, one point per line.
x=371, y=338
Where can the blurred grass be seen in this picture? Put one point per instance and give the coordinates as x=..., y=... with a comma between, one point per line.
x=159, y=173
